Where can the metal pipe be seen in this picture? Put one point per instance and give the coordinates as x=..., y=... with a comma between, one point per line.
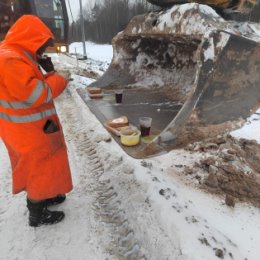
x=82, y=31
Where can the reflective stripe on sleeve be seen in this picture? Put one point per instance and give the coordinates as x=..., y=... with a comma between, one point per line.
x=30, y=58
x=49, y=93
x=37, y=92
x=28, y=118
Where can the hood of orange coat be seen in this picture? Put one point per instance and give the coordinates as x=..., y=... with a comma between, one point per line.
x=28, y=32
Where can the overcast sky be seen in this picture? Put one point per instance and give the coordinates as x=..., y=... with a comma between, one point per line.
x=75, y=7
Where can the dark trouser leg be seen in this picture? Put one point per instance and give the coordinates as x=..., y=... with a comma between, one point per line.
x=56, y=200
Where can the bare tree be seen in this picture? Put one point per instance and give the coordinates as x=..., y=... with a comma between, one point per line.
x=105, y=18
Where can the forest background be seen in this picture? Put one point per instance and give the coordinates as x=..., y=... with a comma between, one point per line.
x=103, y=19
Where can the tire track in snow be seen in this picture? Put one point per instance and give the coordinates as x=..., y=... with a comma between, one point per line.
x=107, y=205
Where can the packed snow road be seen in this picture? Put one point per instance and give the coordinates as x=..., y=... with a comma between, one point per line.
x=105, y=212
x=118, y=201
x=121, y=208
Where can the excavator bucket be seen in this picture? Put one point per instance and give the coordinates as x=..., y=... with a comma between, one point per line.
x=240, y=10
x=195, y=74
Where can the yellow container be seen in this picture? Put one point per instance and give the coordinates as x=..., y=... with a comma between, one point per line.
x=130, y=138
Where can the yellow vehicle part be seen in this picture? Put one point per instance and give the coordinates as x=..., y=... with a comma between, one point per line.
x=219, y=3
x=243, y=6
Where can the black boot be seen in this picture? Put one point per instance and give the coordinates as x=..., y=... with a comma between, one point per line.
x=56, y=200
x=40, y=215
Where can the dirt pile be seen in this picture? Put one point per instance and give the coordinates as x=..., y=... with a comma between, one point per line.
x=230, y=167
x=85, y=73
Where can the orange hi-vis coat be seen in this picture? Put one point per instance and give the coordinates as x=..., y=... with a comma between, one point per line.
x=39, y=160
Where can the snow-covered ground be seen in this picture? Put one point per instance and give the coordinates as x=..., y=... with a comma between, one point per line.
x=123, y=208
x=103, y=53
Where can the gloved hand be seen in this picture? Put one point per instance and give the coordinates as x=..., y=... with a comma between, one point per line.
x=65, y=74
x=46, y=63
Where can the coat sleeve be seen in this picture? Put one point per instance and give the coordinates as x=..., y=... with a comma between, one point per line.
x=24, y=85
x=57, y=84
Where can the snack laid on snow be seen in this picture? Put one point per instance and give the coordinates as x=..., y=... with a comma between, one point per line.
x=118, y=122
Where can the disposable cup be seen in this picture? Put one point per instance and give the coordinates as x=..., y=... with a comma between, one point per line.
x=145, y=125
x=119, y=96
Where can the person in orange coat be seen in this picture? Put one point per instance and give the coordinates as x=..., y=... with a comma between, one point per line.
x=29, y=125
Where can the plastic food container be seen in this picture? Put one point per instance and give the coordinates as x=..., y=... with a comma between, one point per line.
x=130, y=137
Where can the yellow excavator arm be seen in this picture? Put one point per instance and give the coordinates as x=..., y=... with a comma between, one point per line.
x=219, y=3
x=238, y=10
x=240, y=5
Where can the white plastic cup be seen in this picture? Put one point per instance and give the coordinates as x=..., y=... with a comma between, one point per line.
x=145, y=125
x=119, y=96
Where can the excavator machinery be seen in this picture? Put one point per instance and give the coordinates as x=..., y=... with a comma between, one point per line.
x=52, y=12
x=194, y=68
x=243, y=10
